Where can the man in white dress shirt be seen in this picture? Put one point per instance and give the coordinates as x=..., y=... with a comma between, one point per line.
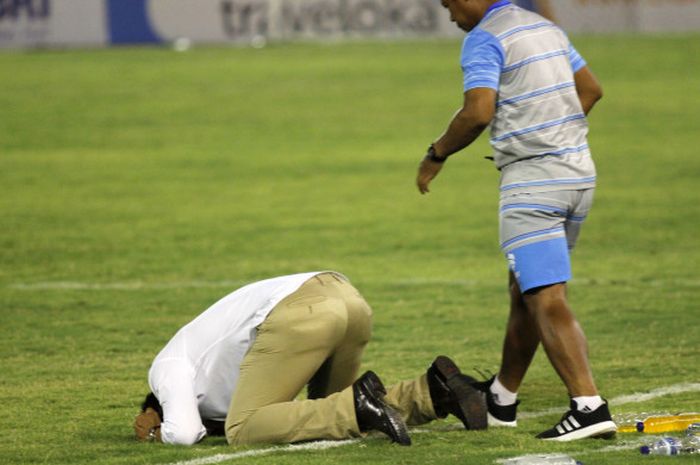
x=237, y=368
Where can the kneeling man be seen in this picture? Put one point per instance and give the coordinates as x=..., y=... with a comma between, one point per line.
x=237, y=368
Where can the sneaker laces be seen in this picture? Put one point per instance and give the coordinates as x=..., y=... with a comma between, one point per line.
x=485, y=374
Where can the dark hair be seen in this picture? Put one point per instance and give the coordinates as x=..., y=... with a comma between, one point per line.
x=152, y=402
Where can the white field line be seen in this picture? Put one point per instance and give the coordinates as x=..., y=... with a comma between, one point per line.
x=624, y=445
x=321, y=445
x=659, y=392
x=142, y=285
x=121, y=286
x=145, y=285
x=627, y=399
x=218, y=458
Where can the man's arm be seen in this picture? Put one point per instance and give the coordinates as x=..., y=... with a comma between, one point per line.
x=173, y=384
x=467, y=124
x=588, y=88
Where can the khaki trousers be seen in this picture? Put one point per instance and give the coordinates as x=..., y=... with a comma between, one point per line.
x=314, y=338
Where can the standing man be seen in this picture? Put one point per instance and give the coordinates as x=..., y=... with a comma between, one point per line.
x=522, y=76
x=236, y=370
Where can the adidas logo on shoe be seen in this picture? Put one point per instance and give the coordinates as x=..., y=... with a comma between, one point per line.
x=576, y=424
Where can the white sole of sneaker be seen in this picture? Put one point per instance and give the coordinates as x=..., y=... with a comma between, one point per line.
x=495, y=422
x=605, y=428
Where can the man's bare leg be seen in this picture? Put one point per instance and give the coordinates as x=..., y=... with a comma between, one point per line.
x=521, y=340
x=562, y=338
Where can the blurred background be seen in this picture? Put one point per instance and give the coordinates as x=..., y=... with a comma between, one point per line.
x=66, y=23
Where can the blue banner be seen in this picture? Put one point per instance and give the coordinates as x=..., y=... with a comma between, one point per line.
x=128, y=23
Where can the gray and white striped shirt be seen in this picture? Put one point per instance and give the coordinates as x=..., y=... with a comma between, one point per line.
x=539, y=132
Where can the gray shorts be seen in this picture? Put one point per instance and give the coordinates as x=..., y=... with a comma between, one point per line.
x=537, y=230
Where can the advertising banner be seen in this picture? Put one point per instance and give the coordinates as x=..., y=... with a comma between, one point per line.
x=44, y=23
x=243, y=20
x=65, y=23
x=615, y=16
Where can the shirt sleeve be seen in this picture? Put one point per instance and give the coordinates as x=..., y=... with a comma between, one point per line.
x=482, y=60
x=172, y=383
x=575, y=58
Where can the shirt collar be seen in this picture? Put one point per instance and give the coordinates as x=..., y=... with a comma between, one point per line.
x=496, y=5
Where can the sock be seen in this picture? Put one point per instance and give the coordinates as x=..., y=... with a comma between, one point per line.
x=501, y=395
x=587, y=403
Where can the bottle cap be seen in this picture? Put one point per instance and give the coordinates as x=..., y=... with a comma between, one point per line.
x=640, y=426
x=644, y=450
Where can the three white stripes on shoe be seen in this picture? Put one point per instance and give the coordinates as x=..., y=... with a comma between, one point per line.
x=568, y=425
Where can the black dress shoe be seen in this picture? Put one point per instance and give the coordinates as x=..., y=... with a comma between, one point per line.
x=452, y=393
x=373, y=414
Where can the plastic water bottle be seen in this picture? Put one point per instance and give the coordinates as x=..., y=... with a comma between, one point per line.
x=693, y=430
x=690, y=444
x=546, y=459
x=627, y=422
x=664, y=424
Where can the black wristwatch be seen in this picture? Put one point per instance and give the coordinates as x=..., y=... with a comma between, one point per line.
x=432, y=156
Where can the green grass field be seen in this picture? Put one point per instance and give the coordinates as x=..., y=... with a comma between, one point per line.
x=140, y=185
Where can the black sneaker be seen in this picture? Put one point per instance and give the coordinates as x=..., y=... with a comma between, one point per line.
x=579, y=425
x=498, y=415
x=452, y=393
